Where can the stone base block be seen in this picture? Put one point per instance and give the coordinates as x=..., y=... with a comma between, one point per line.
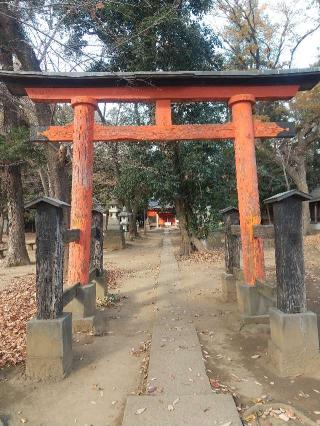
x=84, y=304
x=96, y=324
x=238, y=274
x=294, y=343
x=114, y=239
x=252, y=301
x=49, y=348
x=228, y=287
x=101, y=286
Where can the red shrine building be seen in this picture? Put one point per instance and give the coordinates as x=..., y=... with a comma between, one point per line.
x=161, y=216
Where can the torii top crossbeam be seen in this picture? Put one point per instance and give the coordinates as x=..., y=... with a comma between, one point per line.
x=150, y=86
x=239, y=89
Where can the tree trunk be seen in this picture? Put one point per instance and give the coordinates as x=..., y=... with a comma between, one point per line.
x=185, y=241
x=1, y=226
x=17, y=252
x=132, y=226
x=13, y=36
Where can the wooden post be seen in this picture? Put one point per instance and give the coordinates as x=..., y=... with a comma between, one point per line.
x=288, y=234
x=81, y=197
x=232, y=243
x=96, y=258
x=49, y=256
x=247, y=186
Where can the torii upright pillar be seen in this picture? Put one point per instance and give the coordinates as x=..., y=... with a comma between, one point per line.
x=247, y=187
x=81, y=194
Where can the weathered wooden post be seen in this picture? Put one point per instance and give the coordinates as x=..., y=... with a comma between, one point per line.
x=294, y=342
x=231, y=255
x=247, y=186
x=96, y=259
x=49, y=336
x=232, y=243
x=81, y=193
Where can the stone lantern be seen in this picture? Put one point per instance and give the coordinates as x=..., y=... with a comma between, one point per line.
x=113, y=219
x=124, y=220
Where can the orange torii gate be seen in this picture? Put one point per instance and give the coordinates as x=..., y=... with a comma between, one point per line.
x=240, y=89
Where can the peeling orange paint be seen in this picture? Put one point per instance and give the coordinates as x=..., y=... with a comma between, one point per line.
x=163, y=131
x=151, y=94
x=247, y=186
x=81, y=194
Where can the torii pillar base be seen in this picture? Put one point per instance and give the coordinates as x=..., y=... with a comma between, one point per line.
x=294, y=344
x=49, y=348
x=85, y=316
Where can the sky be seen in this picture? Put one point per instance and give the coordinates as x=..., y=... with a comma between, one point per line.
x=309, y=50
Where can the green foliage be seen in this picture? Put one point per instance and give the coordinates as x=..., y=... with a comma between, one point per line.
x=152, y=35
x=15, y=146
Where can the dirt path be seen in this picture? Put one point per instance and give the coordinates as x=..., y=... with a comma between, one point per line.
x=228, y=348
x=105, y=369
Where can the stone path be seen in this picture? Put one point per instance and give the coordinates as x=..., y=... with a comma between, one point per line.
x=183, y=395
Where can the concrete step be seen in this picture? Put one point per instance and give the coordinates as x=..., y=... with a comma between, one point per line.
x=174, y=336
x=204, y=410
x=178, y=371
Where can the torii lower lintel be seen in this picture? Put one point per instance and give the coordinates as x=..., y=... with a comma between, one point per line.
x=162, y=133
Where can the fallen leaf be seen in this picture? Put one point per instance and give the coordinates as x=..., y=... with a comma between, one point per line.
x=176, y=401
x=284, y=417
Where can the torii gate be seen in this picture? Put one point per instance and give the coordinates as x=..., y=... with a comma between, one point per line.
x=240, y=89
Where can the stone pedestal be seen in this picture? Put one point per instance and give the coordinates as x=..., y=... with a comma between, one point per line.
x=114, y=239
x=49, y=348
x=252, y=302
x=101, y=285
x=83, y=309
x=294, y=343
x=228, y=287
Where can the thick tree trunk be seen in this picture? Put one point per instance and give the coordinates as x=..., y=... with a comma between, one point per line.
x=198, y=244
x=185, y=241
x=17, y=252
x=13, y=37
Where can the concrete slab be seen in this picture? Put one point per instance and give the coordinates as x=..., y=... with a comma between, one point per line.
x=204, y=410
x=174, y=338
x=176, y=366
x=179, y=372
